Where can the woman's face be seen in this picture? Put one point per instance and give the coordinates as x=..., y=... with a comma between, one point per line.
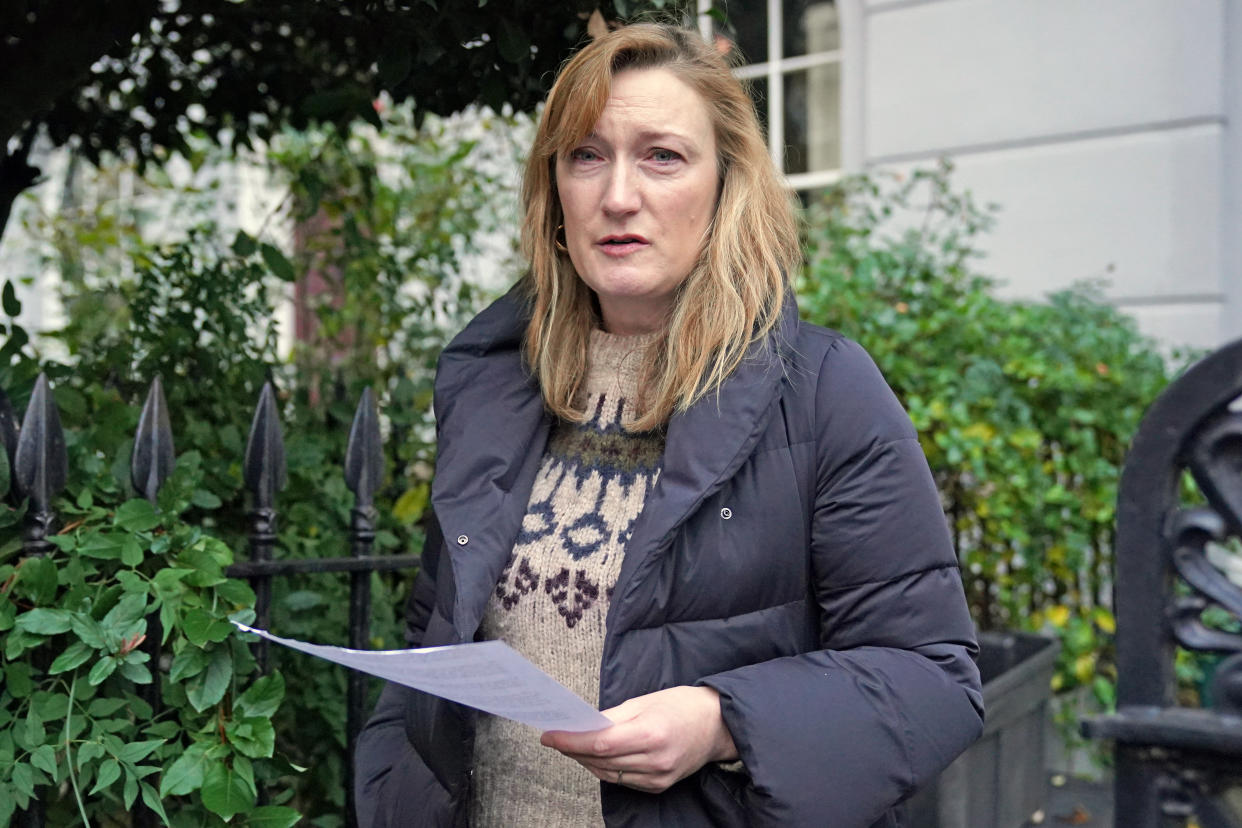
x=637, y=195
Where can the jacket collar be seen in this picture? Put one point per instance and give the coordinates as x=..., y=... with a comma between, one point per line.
x=492, y=430
x=705, y=447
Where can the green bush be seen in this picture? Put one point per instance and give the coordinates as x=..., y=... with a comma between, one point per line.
x=76, y=709
x=396, y=220
x=1024, y=408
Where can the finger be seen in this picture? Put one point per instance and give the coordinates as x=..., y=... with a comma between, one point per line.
x=619, y=740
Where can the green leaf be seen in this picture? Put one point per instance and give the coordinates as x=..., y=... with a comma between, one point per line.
x=136, y=515
x=200, y=627
x=109, y=772
x=225, y=792
x=208, y=687
x=236, y=592
x=23, y=779
x=186, y=773
x=102, y=669
x=272, y=816
x=263, y=697
x=206, y=569
x=89, y=751
x=75, y=655
x=34, y=733
x=138, y=708
x=243, y=244
x=104, y=707
x=136, y=672
x=204, y=499
x=131, y=553
x=37, y=580
x=7, y=804
x=88, y=629
x=130, y=791
x=103, y=545
x=44, y=759
x=17, y=642
x=254, y=737
x=51, y=706
x=135, y=752
x=152, y=799
x=131, y=581
x=45, y=621
x=303, y=599
x=129, y=610
x=17, y=679
x=168, y=581
x=189, y=662
x=277, y=263
x=12, y=307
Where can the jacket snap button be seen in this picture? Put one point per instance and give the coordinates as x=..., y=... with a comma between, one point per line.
x=462, y=540
x=726, y=513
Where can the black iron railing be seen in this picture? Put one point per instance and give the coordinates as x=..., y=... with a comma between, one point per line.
x=40, y=467
x=1178, y=765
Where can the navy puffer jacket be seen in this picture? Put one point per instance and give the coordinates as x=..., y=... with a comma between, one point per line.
x=793, y=555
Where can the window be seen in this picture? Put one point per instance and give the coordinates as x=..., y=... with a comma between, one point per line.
x=792, y=55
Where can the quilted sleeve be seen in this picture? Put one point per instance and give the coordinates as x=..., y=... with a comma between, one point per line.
x=840, y=735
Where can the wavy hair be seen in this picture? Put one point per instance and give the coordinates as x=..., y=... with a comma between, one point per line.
x=734, y=293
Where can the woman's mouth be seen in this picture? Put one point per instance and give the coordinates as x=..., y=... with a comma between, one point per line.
x=621, y=245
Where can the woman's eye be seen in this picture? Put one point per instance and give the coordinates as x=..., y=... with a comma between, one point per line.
x=664, y=156
x=583, y=154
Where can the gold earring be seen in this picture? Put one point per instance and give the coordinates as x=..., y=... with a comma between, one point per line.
x=556, y=239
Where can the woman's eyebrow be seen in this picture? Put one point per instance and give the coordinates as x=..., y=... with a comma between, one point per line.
x=665, y=135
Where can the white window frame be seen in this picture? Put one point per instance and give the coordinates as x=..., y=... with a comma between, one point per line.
x=774, y=70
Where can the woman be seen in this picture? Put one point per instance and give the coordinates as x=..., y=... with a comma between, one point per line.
x=660, y=486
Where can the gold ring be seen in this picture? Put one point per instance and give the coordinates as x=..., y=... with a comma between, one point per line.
x=620, y=773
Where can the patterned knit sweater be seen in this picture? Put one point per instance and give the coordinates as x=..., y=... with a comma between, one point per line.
x=552, y=598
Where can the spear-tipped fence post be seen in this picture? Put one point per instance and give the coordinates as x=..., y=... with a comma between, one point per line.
x=265, y=475
x=8, y=430
x=153, y=457
x=40, y=466
x=364, y=466
x=8, y=445
x=150, y=465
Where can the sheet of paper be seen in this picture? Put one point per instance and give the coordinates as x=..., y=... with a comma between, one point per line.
x=488, y=675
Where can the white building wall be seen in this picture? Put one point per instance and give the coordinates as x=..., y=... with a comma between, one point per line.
x=1231, y=213
x=1100, y=126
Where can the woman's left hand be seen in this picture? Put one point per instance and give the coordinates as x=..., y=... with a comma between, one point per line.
x=658, y=739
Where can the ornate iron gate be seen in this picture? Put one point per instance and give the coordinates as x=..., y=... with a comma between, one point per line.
x=1179, y=522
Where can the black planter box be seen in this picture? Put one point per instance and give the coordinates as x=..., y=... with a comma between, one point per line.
x=999, y=781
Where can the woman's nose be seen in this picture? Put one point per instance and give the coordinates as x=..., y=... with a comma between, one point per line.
x=621, y=195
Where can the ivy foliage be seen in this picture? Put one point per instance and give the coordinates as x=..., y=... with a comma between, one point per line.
x=1024, y=408
x=87, y=717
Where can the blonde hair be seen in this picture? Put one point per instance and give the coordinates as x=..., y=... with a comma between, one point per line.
x=734, y=293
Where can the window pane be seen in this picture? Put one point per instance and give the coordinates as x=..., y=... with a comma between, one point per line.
x=810, y=198
x=812, y=119
x=747, y=26
x=809, y=26
x=758, y=88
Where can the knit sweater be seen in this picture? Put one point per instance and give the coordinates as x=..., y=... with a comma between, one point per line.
x=552, y=598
